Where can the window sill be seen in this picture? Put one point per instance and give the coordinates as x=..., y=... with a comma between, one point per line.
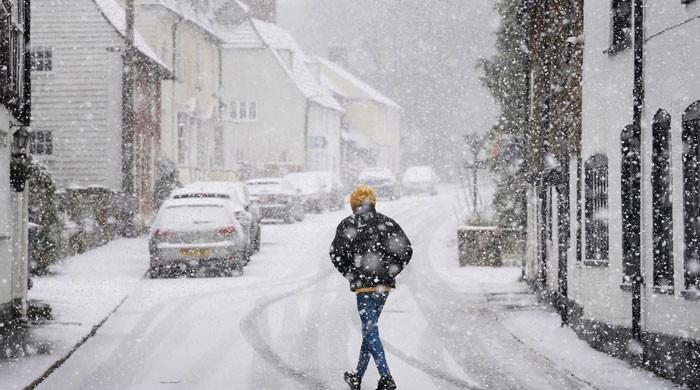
x=615, y=50
x=663, y=290
x=626, y=287
x=691, y=295
x=596, y=263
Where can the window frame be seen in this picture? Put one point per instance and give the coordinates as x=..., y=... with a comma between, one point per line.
x=252, y=111
x=662, y=204
x=46, y=60
x=181, y=124
x=233, y=110
x=218, y=156
x=242, y=111
x=620, y=27
x=691, y=194
x=597, y=232
x=41, y=143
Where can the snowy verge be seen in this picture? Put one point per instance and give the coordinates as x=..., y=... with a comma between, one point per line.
x=540, y=330
x=534, y=324
x=82, y=291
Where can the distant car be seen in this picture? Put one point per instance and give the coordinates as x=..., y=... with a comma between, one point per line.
x=278, y=199
x=196, y=232
x=419, y=179
x=333, y=189
x=382, y=180
x=311, y=189
x=247, y=213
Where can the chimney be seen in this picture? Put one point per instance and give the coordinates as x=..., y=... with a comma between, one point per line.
x=339, y=55
x=265, y=10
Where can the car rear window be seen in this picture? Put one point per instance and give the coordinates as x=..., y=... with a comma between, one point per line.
x=195, y=216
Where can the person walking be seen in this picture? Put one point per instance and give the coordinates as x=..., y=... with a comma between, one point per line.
x=369, y=250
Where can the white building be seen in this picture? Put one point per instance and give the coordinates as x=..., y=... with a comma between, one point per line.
x=14, y=116
x=598, y=277
x=279, y=117
x=77, y=52
x=371, y=123
x=183, y=33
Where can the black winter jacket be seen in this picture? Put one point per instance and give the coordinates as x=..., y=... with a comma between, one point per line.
x=370, y=249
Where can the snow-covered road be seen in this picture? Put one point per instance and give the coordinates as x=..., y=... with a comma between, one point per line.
x=290, y=323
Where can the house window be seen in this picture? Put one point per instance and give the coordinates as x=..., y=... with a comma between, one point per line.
x=662, y=216
x=242, y=111
x=691, y=195
x=596, y=207
x=41, y=142
x=620, y=25
x=630, y=206
x=234, y=110
x=181, y=138
x=42, y=59
x=219, y=147
x=202, y=141
x=252, y=111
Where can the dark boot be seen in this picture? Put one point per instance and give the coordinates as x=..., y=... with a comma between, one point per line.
x=386, y=383
x=353, y=380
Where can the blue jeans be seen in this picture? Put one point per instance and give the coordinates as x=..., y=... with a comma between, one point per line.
x=370, y=306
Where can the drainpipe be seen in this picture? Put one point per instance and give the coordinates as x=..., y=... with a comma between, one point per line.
x=306, y=134
x=638, y=92
x=173, y=115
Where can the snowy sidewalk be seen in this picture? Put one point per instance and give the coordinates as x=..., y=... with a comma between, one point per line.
x=537, y=326
x=83, y=291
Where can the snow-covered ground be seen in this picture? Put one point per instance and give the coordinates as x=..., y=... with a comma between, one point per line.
x=290, y=323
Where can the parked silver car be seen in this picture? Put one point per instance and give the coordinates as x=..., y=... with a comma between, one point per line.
x=311, y=189
x=200, y=233
x=419, y=179
x=382, y=180
x=246, y=211
x=277, y=198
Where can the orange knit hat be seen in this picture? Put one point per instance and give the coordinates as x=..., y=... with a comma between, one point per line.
x=362, y=194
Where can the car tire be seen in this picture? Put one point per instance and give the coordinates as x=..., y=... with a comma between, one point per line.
x=256, y=241
x=154, y=272
x=289, y=218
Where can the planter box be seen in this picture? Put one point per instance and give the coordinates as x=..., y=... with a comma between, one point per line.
x=479, y=246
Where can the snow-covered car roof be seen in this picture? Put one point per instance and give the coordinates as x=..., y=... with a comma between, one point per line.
x=194, y=202
x=419, y=172
x=269, y=180
x=225, y=190
x=258, y=186
x=376, y=173
x=305, y=180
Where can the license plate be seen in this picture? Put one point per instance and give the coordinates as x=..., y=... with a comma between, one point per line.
x=196, y=252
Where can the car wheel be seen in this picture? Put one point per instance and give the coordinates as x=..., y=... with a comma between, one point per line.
x=154, y=272
x=256, y=241
x=289, y=218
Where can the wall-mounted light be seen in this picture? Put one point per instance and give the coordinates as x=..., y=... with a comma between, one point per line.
x=19, y=165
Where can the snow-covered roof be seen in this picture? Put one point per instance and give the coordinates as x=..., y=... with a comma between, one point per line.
x=366, y=89
x=256, y=34
x=188, y=13
x=116, y=16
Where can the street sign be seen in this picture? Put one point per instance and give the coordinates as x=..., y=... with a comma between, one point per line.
x=318, y=142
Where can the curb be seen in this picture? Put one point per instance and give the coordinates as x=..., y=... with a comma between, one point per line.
x=82, y=341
